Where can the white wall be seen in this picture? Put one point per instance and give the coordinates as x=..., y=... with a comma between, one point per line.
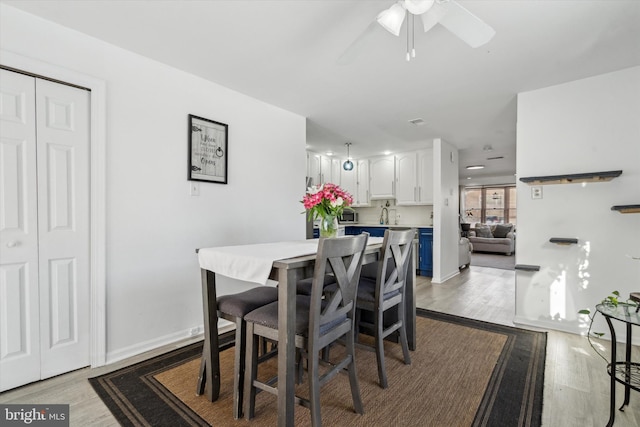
x=153, y=225
x=446, y=224
x=588, y=125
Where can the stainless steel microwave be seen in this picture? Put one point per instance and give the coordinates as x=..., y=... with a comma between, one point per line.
x=349, y=217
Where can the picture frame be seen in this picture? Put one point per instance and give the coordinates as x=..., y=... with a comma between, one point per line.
x=208, y=155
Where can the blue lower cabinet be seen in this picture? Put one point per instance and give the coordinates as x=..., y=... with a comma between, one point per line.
x=351, y=230
x=374, y=231
x=425, y=252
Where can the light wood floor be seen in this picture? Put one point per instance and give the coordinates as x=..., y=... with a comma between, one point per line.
x=576, y=391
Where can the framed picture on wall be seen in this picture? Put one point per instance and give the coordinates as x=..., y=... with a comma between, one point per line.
x=208, y=142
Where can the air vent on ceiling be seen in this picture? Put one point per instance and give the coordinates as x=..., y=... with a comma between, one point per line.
x=416, y=122
x=495, y=158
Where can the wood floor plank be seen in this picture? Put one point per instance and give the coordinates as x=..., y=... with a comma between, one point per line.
x=576, y=391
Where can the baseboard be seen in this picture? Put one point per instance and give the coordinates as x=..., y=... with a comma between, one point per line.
x=445, y=278
x=548, y=325
x=170, y=339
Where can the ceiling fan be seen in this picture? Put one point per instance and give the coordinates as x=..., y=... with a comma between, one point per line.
x=448, y=13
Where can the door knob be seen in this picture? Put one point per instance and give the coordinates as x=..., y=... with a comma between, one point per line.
x=12, y=244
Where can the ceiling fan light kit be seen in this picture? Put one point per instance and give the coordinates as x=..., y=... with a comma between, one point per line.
x=448, y=13
x=418, y=7
x=391, y=19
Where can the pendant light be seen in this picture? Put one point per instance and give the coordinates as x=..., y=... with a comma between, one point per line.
x=348, y=164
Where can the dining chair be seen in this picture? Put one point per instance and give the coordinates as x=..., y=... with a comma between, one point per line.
x=319, y=322
x=234, y=307
x=386, y=294
x=303, y=287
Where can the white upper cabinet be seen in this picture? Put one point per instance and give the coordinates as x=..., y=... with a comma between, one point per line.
x=382, y=177
x=406, y=178
x=323, y=169
x=414, y=178
x=336, y=167
x=349, y=182
x=425, y=177
x=362, y=195
x=313, y=168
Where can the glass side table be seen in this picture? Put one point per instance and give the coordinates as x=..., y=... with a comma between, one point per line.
x=625, y=372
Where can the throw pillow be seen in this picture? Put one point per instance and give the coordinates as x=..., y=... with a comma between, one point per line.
x=501, y=230
x=483, y=231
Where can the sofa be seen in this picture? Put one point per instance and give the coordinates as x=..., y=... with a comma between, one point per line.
x=498, y=238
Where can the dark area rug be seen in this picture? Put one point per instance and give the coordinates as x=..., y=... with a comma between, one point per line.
x=448, y=365
x=486, y=259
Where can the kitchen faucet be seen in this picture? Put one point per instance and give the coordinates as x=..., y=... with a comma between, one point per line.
x=382, y=216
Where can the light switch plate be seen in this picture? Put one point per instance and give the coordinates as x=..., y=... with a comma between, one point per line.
x=194, y=188
x=536, y=192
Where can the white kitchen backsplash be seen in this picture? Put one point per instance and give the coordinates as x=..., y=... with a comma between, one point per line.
x=405, y=215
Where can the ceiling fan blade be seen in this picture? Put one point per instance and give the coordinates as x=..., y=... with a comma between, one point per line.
x=464, y=24
x=432, y=16
x=354, y=49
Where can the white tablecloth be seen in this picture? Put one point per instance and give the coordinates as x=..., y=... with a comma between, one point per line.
x=253, y=263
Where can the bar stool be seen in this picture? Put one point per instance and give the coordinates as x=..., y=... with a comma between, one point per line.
x=319, y=322
x=234, y=307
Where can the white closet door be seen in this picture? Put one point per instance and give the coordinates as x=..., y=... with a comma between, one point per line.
x=44, y=229
x=19, y=299
x=63, y=217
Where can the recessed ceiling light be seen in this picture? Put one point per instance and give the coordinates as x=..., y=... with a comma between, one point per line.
x=468, y=177
x=329, y=153
x=417, y=122
x=475, y=167
x=386, y=153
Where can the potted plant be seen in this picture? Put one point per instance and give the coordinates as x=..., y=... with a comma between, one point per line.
x=612, y=300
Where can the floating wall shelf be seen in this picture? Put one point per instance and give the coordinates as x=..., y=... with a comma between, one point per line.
x=626, y=208
x=564, y=240
x=572, y=178
x=526, y=267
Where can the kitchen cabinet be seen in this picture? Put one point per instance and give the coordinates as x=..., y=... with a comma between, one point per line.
x=349, y=182
x=336, y=166
x=356, y=182
x=322, y=169
x=425, y=252
x=425, y=177
x=313, y=167
x=354, y=230
x=382, y=177
x=414, y=178
x=362, y=193
x=325, y=169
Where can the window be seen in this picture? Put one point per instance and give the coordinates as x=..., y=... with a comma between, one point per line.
x=490, y=205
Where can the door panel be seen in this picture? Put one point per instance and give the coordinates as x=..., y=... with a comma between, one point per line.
x=19, y=301
x=63, y=200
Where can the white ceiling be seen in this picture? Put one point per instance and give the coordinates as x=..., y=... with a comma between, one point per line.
x=285, y=52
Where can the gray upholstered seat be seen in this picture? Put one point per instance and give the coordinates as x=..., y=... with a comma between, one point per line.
x=319, y=323
x=387, y=292
x=237, y=305
x=303, y=287
x=234, y=307
x=367, y=291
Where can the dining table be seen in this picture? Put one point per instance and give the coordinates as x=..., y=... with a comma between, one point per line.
x=287, y=263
